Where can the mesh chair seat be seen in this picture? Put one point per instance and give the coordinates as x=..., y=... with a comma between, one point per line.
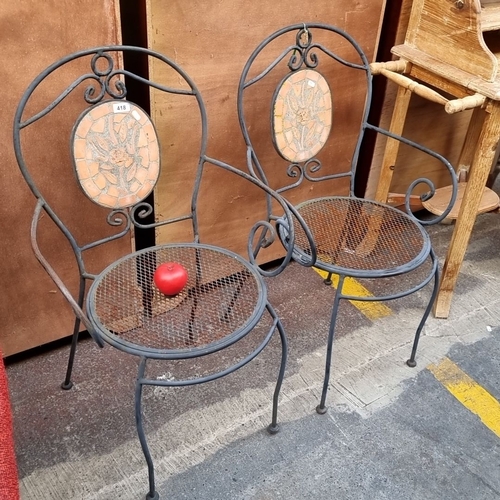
x=222, y=300
x=361, y=237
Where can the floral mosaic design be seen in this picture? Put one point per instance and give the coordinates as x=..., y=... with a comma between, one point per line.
x=116, y=154
x=302, y=115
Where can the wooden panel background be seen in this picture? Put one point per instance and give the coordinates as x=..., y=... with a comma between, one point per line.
x=34, y=34
x=426, y=123
x=212, y=41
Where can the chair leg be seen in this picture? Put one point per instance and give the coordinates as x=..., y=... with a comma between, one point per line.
x=68, y=384
x=411, y=362
x=152, y=494
x=321, y=408
x=328, y=279
x=274, y=427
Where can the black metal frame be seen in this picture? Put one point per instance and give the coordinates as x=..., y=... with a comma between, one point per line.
x=106, y=80
x=301, y=51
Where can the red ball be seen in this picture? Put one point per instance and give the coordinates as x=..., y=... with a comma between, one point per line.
x=170, y=278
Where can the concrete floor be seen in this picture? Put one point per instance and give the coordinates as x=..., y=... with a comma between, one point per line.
x=391, y=431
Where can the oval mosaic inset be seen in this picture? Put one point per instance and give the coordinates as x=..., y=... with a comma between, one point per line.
x=302, y=115
x=116, y=154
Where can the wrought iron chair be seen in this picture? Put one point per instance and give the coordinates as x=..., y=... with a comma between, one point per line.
x=302, y=69
x=115, y=157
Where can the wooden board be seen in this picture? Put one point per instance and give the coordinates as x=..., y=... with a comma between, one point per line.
x=212, y=42
x=439, y=202
x=452, y=34
x=34, y=35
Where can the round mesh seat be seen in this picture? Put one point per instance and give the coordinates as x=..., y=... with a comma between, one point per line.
x=222, y=300
x=362, y=238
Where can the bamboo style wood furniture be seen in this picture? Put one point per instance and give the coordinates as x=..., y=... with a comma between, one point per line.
x=452, y=48
x=116, y=162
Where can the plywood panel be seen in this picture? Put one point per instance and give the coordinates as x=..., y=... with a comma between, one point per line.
x=212, y=41
x=35, y=34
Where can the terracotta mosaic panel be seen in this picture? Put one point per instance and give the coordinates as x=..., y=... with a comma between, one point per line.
x=302, y=115
x=116, y=154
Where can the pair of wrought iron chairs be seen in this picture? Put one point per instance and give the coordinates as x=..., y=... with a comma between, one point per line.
x=115, y=152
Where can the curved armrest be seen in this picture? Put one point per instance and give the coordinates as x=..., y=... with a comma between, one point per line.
x=422, y=180
x=79, y=313
x=263, y=233
x=305, y=260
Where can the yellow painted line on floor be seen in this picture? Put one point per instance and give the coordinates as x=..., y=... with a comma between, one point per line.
x=372, y=310
x=469, y=393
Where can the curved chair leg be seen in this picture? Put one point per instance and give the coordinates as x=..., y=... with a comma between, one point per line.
x=411, y=361
x=68, y=384
x=274, y=427
x=321, y=408
x=152, y=494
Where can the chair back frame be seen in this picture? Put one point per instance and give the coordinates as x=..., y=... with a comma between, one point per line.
x=306, y=53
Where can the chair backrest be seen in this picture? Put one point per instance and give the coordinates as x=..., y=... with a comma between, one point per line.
x=304, y=100
x=75, y=123
x=81, y=102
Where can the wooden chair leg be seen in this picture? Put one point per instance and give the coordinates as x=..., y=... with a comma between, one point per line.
x=392, y=147
x=478, y=175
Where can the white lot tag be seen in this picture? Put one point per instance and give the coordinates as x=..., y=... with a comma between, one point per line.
x=121, y=107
